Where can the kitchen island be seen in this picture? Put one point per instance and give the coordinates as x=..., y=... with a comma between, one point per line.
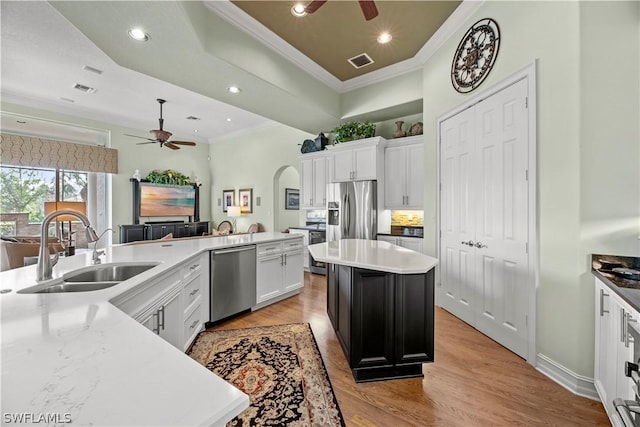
x=380, y=301
x=78, y=359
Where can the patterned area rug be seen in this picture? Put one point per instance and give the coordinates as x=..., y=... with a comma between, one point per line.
x=281, y=370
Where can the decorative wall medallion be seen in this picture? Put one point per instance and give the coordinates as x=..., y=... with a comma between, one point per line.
x=475, y=55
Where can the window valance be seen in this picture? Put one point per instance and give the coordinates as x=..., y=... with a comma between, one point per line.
x=17, y=150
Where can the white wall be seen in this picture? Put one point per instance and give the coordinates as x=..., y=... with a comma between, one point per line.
x=189, y=161
x=569, y=167
x=252, y=161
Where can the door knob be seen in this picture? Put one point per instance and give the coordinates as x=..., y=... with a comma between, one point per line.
x=469, y=243
x=479, y=245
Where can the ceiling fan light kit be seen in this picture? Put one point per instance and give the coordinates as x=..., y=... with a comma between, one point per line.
x=162, y=136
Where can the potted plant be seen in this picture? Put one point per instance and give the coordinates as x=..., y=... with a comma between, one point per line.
x=168, y=177
x=354, y=130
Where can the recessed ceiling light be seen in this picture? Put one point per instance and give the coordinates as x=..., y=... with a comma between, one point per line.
x=233, y=89
x=138, y=34
x=195, y=130
x=384, y=38
x=298, y=10
x=228, y=119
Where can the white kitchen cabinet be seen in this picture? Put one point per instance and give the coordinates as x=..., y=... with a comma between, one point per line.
x=279, y=270
x=613, y=347
x=314, y=170
x=403, y=174
x=356, y=161
x=164, y=317
x=305, y=245
x=413, y=243
x=164, y=305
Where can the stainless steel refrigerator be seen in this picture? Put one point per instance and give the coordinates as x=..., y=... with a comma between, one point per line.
x=352, y=210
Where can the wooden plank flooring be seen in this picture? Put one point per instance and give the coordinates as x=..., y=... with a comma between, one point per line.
x=473, y=382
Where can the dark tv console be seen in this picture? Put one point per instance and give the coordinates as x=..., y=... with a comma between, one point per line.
x=157, y=230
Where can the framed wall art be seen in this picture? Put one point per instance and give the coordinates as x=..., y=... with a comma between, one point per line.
x=292, y=198
x=245, y=197
x=228, y=199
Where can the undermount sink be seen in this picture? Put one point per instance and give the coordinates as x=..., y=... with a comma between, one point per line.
x=92, y=278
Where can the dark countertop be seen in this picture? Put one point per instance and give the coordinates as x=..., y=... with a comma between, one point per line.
x=314, y=227
x=627, y=289
x=400, y=235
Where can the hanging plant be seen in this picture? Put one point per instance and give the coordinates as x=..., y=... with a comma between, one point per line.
x=354, y=130
x=168, y=177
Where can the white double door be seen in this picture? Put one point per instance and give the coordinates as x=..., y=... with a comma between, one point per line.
x=484, y=216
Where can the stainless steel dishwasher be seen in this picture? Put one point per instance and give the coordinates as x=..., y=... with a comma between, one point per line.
x=233, y=281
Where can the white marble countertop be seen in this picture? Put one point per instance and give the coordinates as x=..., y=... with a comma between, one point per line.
x=79, y=359
x=373, y=255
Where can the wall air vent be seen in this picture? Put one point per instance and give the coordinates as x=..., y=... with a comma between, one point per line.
x=84, y=88
x=91, y=69
x=361, y=60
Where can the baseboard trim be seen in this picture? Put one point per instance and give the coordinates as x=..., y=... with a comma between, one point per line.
x=576, y=384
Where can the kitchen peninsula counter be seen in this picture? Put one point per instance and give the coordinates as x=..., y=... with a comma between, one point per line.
x=380, y=301
x=76, y=359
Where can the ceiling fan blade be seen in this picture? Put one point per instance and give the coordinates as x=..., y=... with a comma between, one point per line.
x=314, y=5
x=141, y=137
x=369, y=9
x=170, y=145
x=184, y=143
x=142, y=143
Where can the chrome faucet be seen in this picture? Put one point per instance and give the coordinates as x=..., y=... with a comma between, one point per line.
x=95, y=258
x=45, y=263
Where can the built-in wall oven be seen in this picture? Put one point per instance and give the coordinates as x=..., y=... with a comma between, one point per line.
x=317, y=267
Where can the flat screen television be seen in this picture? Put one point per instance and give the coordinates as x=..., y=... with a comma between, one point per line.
x=167, y=200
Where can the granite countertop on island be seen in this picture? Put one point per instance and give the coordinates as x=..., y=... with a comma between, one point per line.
x=373, y=255
x=627, y=289
x=77, y=357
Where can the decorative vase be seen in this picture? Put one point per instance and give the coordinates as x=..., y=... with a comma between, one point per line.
x=399, y=133
x=415, y=129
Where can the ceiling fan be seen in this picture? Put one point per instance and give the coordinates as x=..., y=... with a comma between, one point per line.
x=162, y=135
x=368, y=8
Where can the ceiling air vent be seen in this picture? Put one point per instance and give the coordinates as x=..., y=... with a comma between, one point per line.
x=361, y=60
x=84, y=88
x=91, y=69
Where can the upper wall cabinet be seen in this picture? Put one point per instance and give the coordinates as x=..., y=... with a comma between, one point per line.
x=403, y=173
x=357, y=160
x=314, y=172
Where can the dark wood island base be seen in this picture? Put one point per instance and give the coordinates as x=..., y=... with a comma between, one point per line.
x=384, y=321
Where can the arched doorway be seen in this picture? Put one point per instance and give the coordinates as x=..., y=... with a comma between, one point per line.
x=285, y=177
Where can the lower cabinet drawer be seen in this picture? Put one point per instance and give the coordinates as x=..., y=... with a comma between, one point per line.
x=191, y=291
x=192, y=325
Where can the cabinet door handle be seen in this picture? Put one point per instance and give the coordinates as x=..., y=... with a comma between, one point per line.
x=285, y=259
x=161, y=316
x=626, y=330
x=194, y=266
x=156, y=323
x=602, y=310
x=281, y=259
x=623, y=321
x=193, y=325
x=193, y=292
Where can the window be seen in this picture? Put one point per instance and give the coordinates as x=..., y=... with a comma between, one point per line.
x=25, y=191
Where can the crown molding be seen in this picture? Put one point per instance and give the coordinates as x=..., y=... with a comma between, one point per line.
x=241, y=20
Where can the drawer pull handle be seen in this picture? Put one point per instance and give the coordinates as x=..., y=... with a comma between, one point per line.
x=194, y=266
x=193, y=325
x=193, y=292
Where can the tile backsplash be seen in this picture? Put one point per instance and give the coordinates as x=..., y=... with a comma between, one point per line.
x=407, y=218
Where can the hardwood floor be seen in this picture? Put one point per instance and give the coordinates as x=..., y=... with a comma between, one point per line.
x=473, y=382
